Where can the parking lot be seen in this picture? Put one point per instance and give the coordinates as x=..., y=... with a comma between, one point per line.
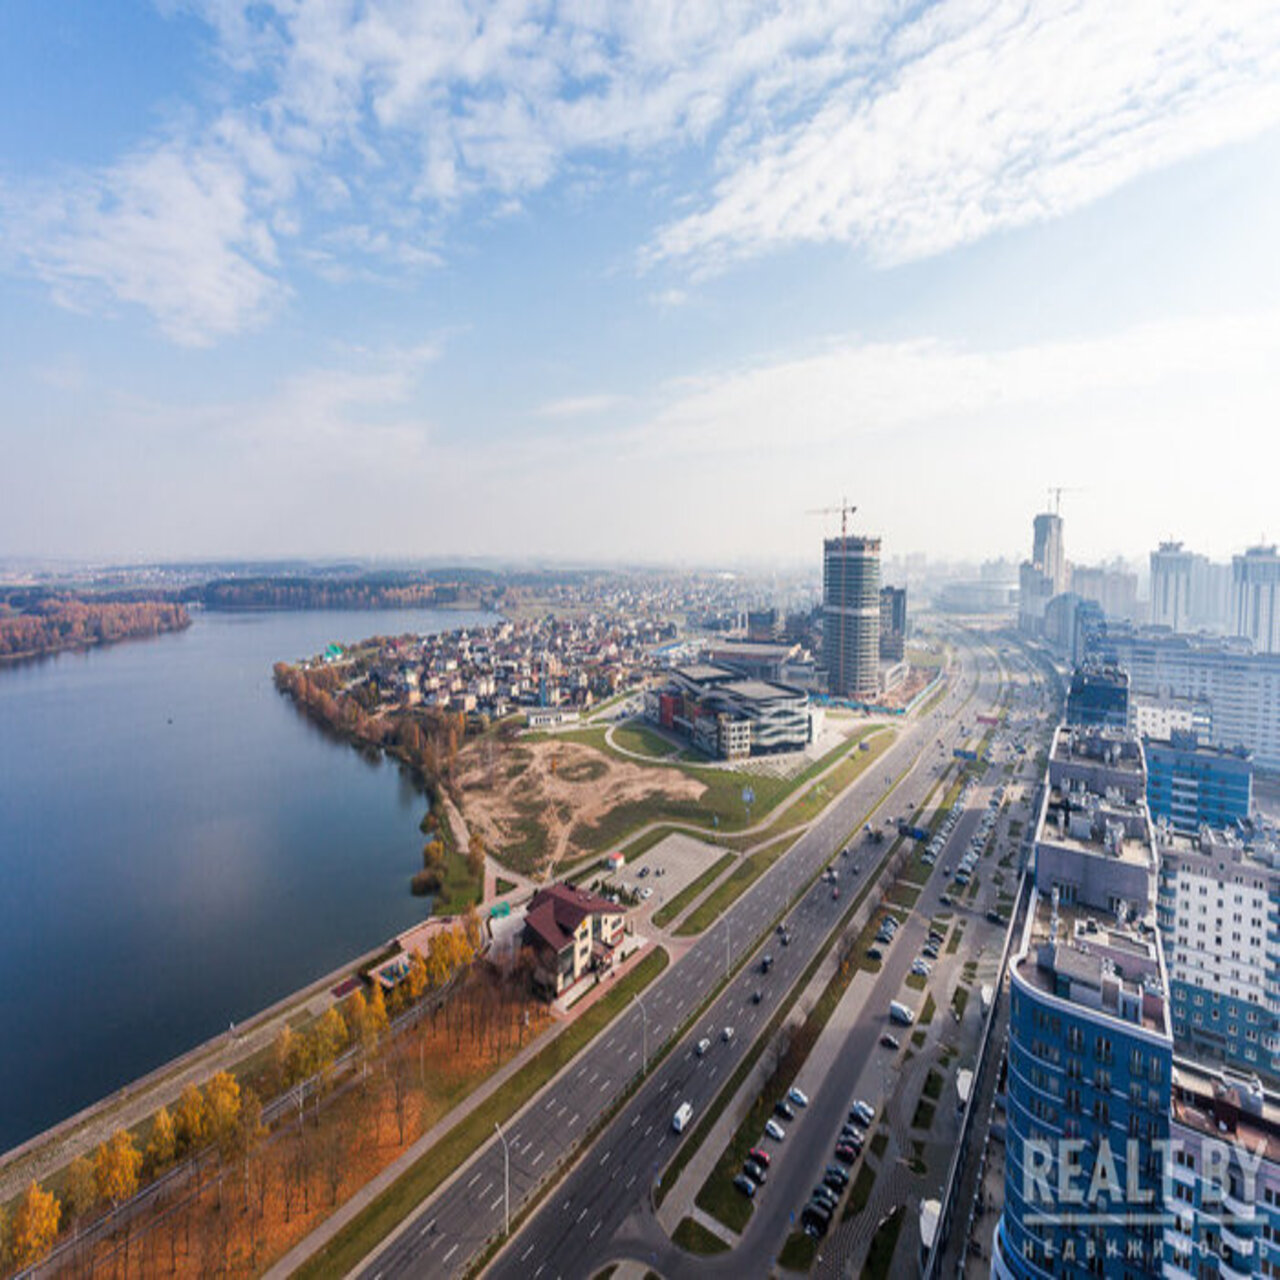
x=666, y=868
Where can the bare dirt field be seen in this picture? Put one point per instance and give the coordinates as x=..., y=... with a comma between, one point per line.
x=533, y=801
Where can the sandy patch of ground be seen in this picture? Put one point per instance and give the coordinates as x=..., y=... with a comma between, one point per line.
x=510, y=791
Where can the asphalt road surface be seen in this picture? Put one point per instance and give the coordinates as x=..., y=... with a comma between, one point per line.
x=578, y=1220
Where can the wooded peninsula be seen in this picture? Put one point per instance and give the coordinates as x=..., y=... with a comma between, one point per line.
x=53, y=624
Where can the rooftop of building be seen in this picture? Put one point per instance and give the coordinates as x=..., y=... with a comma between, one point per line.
x=1098, y=825
x=1248, y=841
x=729, y=648
x=1110, y=747
x=1225, y=1105
x=1182, y=741
x=705, y=673
x=556, y=911
x=853, y=542
x=763, y=691
x=1112, y=967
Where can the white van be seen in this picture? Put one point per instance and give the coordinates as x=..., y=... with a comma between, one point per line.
x=684, y=1113
x=901, y=1013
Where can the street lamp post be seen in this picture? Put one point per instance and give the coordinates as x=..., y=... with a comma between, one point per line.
x=644, y=1036
x=506, y=1181
x=725, y=918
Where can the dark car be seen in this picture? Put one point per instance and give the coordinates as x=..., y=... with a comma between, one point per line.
x=836, y=1172
x=834, y=1183
x=822, y=1194
x=782, y=1108
x=944, y=899
x=766, y=963
x=889, y=1041
x=754, y=1172
x=745, y=1185
x=995, y=917
x=846, y=1155
x=815, y=1220
x=874, y=953
x=786, y=939
x=757, y=996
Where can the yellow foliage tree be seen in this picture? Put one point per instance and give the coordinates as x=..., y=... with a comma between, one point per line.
x=355, y=1013
x=163, y=1145
x=378, y=1010
x=82, y=1186
x=415, y=980
x=474, y=928
x=221, y=1107
x=329, y=1038
x=189, y=1119
x=116, y=1166
x=35, y=1225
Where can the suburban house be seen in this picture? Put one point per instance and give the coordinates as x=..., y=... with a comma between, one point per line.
x=570, y=932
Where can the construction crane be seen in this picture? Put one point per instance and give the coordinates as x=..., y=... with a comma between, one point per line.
x=844, y=511
x=1056, y=491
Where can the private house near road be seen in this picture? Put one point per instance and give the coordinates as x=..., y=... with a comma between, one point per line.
x=571, y=932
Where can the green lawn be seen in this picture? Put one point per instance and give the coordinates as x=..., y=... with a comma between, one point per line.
x=879, y=1144
x=916, y=981
x=695, y=1238
x=926, y=1014
x=356, y=1240
x=670, y=910
x=960, y=1000
x=933, y=1085
x=860, y=1192
x=643, y=740
x=459, y=889
x=798, y=1253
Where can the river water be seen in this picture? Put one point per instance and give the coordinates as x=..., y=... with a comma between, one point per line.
x=180, y=848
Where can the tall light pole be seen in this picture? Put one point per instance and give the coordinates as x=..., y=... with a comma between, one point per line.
x=725, y=918
x=644, y=1036
x=506, y=1181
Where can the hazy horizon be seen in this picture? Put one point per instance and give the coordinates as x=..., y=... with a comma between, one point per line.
x=631, y=285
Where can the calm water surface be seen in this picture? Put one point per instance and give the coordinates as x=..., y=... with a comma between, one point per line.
x=179, y=848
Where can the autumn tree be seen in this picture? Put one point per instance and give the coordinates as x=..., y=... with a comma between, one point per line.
x=221, y=1108
x=415, y=979
x=189, y=1120
x=116, y=1165
x=81, y=1188
x=163, y=1144
x=35, y=1225
x=329, y=1037
x=476, y=854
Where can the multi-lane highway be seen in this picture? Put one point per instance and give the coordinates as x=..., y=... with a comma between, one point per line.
x=578, y=1219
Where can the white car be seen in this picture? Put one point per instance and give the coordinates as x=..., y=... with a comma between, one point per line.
x=921, y=968
x=796, y=1096
x=864, y=1111
x=774, y=1130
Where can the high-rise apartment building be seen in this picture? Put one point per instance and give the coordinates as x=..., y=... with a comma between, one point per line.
x=1255, y=598
x=1090, y=1044
x=851, y=615
x=1241, y=689
x=893, y=623
x=1219, y=902
x=1171, y=586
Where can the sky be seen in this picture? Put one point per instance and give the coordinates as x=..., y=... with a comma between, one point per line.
x=594, y=281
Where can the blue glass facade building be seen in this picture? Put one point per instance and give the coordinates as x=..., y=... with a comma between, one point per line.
x=1193, y=785
x=1099, y=697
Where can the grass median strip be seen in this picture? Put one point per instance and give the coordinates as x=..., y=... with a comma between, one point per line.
x=368, y=1228
x=883, y=1244
x=668, y=912
x=744, y=875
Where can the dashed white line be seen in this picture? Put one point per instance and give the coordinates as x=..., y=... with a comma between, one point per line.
x=474, y=1180
x=574, y=1120
x=495, y=1204
x=453, y=1248
x=583, y=1214
x=524, y=1257
x=591, y=1236
x=537, y=1158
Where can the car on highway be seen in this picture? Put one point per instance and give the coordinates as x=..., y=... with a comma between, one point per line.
x=727, y=1034
x=766, y=963
x=745, y=1185
x=703, y=1045
x=774, y=1130
x=835, y=892
x=863, y=1110
x=758, y=1155
x=783, y=1110
x=754, y=1172
x=890, y=1041
x=797, y=1096
x=756, y=996
x=684, y=1113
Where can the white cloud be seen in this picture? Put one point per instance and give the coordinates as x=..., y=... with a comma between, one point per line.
x=577, y=406
x=983, y=117
x=348, y=137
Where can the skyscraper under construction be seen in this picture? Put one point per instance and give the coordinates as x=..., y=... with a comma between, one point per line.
x=851, y=614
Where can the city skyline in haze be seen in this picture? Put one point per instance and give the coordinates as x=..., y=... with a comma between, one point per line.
x=612, y=284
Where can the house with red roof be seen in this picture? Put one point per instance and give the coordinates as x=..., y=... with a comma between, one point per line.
x=571, y=932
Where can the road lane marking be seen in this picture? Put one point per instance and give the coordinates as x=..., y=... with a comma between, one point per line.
x=574, y=1120
x=604, y=1159
x=583, y=1214
x=488, y=1186
x=452, y=1250
x=524, y=1257
x=630, y=1181
x=474, y=1180
x=537, y=1158
x=592, y=1236
x=495, y=1204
